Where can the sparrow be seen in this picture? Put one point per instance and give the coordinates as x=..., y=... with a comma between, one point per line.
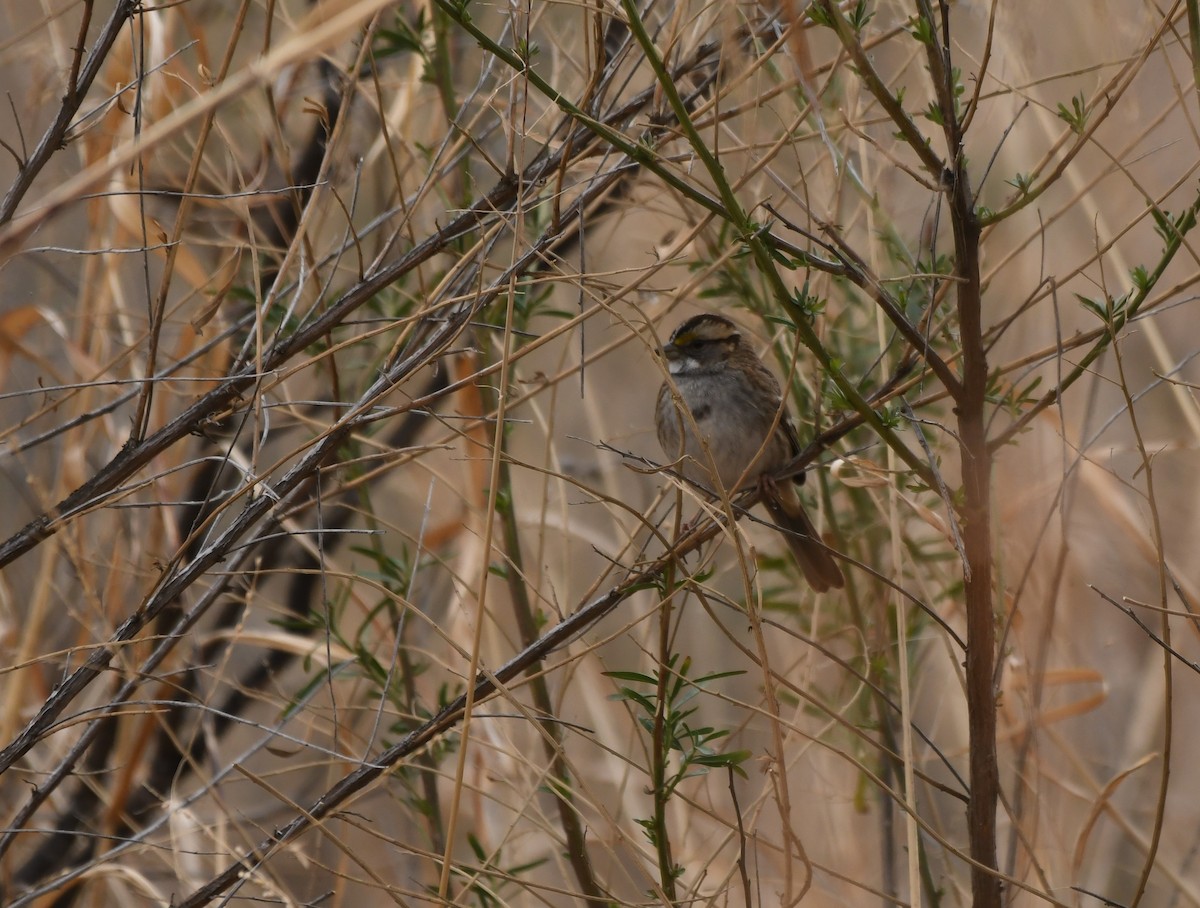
x=736, y=426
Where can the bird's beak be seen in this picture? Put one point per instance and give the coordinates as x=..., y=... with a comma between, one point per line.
x=670, y=352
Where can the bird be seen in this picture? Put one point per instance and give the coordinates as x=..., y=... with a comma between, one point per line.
x=737, y=428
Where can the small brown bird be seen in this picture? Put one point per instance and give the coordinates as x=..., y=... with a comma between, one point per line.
x=738, y=411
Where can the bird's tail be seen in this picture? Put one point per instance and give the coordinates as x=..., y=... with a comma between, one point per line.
x=819, y=568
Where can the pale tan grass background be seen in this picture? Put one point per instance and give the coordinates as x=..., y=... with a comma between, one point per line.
x=1083, y=707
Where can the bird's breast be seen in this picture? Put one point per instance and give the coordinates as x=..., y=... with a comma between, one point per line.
x=730, y=424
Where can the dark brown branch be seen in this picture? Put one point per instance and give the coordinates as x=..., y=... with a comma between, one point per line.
x=133, y=457
x=486, y=684
x=875, y=84
x=977, y=539
x=80, y=81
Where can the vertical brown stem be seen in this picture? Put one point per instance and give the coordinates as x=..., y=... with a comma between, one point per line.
x=559, y=775
x=976, y=477
x=977, y=541
x=661, y=752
